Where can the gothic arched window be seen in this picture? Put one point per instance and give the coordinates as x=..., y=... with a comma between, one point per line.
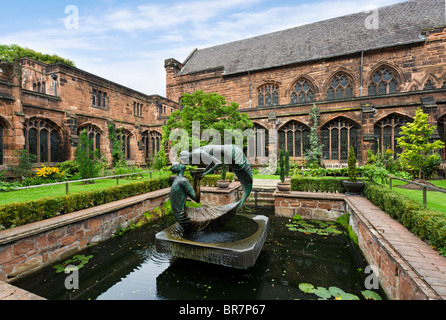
x=295, y=138
x=43, y=140
x=387, y=131
x=442, y=133
x=303, y=92
x=340, y=87
x=124, y=136
x=152, y=143
x=384, y=81
x=268, y=95
x=337, y=137
x=261, y=139
x=94, y=134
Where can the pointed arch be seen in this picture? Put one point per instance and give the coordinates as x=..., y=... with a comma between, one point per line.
x=431, y=82
x=43, y=140
x=294, y=136
x=94, y=133
x=303, y=90
x=337, y=136
x=387, y=129
x=384, y=79
x=152, y=143
x=268, y=94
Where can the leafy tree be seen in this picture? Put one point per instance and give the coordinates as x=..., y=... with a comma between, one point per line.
x=313, y=155
x=213, y=114
x=418, y=152
x=87, y=158
x=10, y=53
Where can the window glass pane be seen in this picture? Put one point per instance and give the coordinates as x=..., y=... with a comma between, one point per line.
x=349, y=92
x=330, y=94
x=98, y=142
x=354, y=140
x=335, y=144
x=260, y=100
x=339, y=93
x=275, y=98
x=289, y=138
x=128, y=147
x=306, y=140
x=44, y=145
x=393, y=86
x=310, y=97
x=372, y=89
x=326, y=144
x=344, y=81
x=268, y=99
x=398, y=150
x=387, y=139
x=382, y=88
x=301, y=98
x=56, y=152
x=32, y=142
x=282, y=140
x=294, y=98
x=344, y=144
x=377, y=77
x=298, y=143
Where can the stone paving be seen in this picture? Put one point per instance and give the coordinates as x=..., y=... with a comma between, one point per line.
x=9, y=292
x=426, y=262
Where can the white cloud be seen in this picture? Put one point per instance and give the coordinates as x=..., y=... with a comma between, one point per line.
x=128, y=45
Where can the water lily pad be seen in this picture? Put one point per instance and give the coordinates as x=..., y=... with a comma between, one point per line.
x=306, y=287
x=322, y=293
x=370, y=295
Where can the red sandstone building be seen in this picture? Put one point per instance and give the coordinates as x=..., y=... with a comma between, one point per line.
x=43, y=109
x=367, y=73
x=367, y=78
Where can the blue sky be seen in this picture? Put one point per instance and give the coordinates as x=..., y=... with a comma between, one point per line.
x=128, y=41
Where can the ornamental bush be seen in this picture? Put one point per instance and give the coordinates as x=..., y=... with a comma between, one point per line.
x=21, y=213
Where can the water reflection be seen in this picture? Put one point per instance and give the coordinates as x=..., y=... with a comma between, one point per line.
x=128, y=267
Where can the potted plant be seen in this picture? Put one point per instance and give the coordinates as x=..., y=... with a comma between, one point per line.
x=284, y=186
x=353, y=186
x=223, y=183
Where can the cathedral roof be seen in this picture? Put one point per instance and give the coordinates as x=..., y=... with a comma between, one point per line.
x=399, y=24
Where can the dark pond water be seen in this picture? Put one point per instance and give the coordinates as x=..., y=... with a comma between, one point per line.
x=129, y=268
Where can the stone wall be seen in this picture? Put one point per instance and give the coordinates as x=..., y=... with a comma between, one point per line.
x=317, y=206
x=26, y=249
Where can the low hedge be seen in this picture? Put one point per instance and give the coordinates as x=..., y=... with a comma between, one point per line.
x=314, y=184
x=210, y=180
x=21, y=213
x=427, y=225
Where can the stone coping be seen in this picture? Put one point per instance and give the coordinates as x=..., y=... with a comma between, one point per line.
x=34, y=228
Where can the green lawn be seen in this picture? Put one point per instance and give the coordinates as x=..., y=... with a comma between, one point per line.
x=59, y=190
x=269, y=177
x=435, y=200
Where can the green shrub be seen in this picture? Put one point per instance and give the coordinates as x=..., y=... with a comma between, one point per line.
x=210, y=180
x=313, y=184
x=21, y=213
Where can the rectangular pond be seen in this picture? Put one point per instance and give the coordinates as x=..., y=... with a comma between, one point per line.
x=300, y=260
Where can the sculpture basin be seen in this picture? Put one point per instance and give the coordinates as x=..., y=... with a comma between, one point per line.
x=236, y=245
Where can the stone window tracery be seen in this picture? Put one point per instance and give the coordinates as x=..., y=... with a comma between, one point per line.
x=94, y=134
x=268, y=95
x=383, y=82
x=43, y=140
x=387, y=131
x=295, y=138
x=303, y=92
x=337, y=137
x=340, y=87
